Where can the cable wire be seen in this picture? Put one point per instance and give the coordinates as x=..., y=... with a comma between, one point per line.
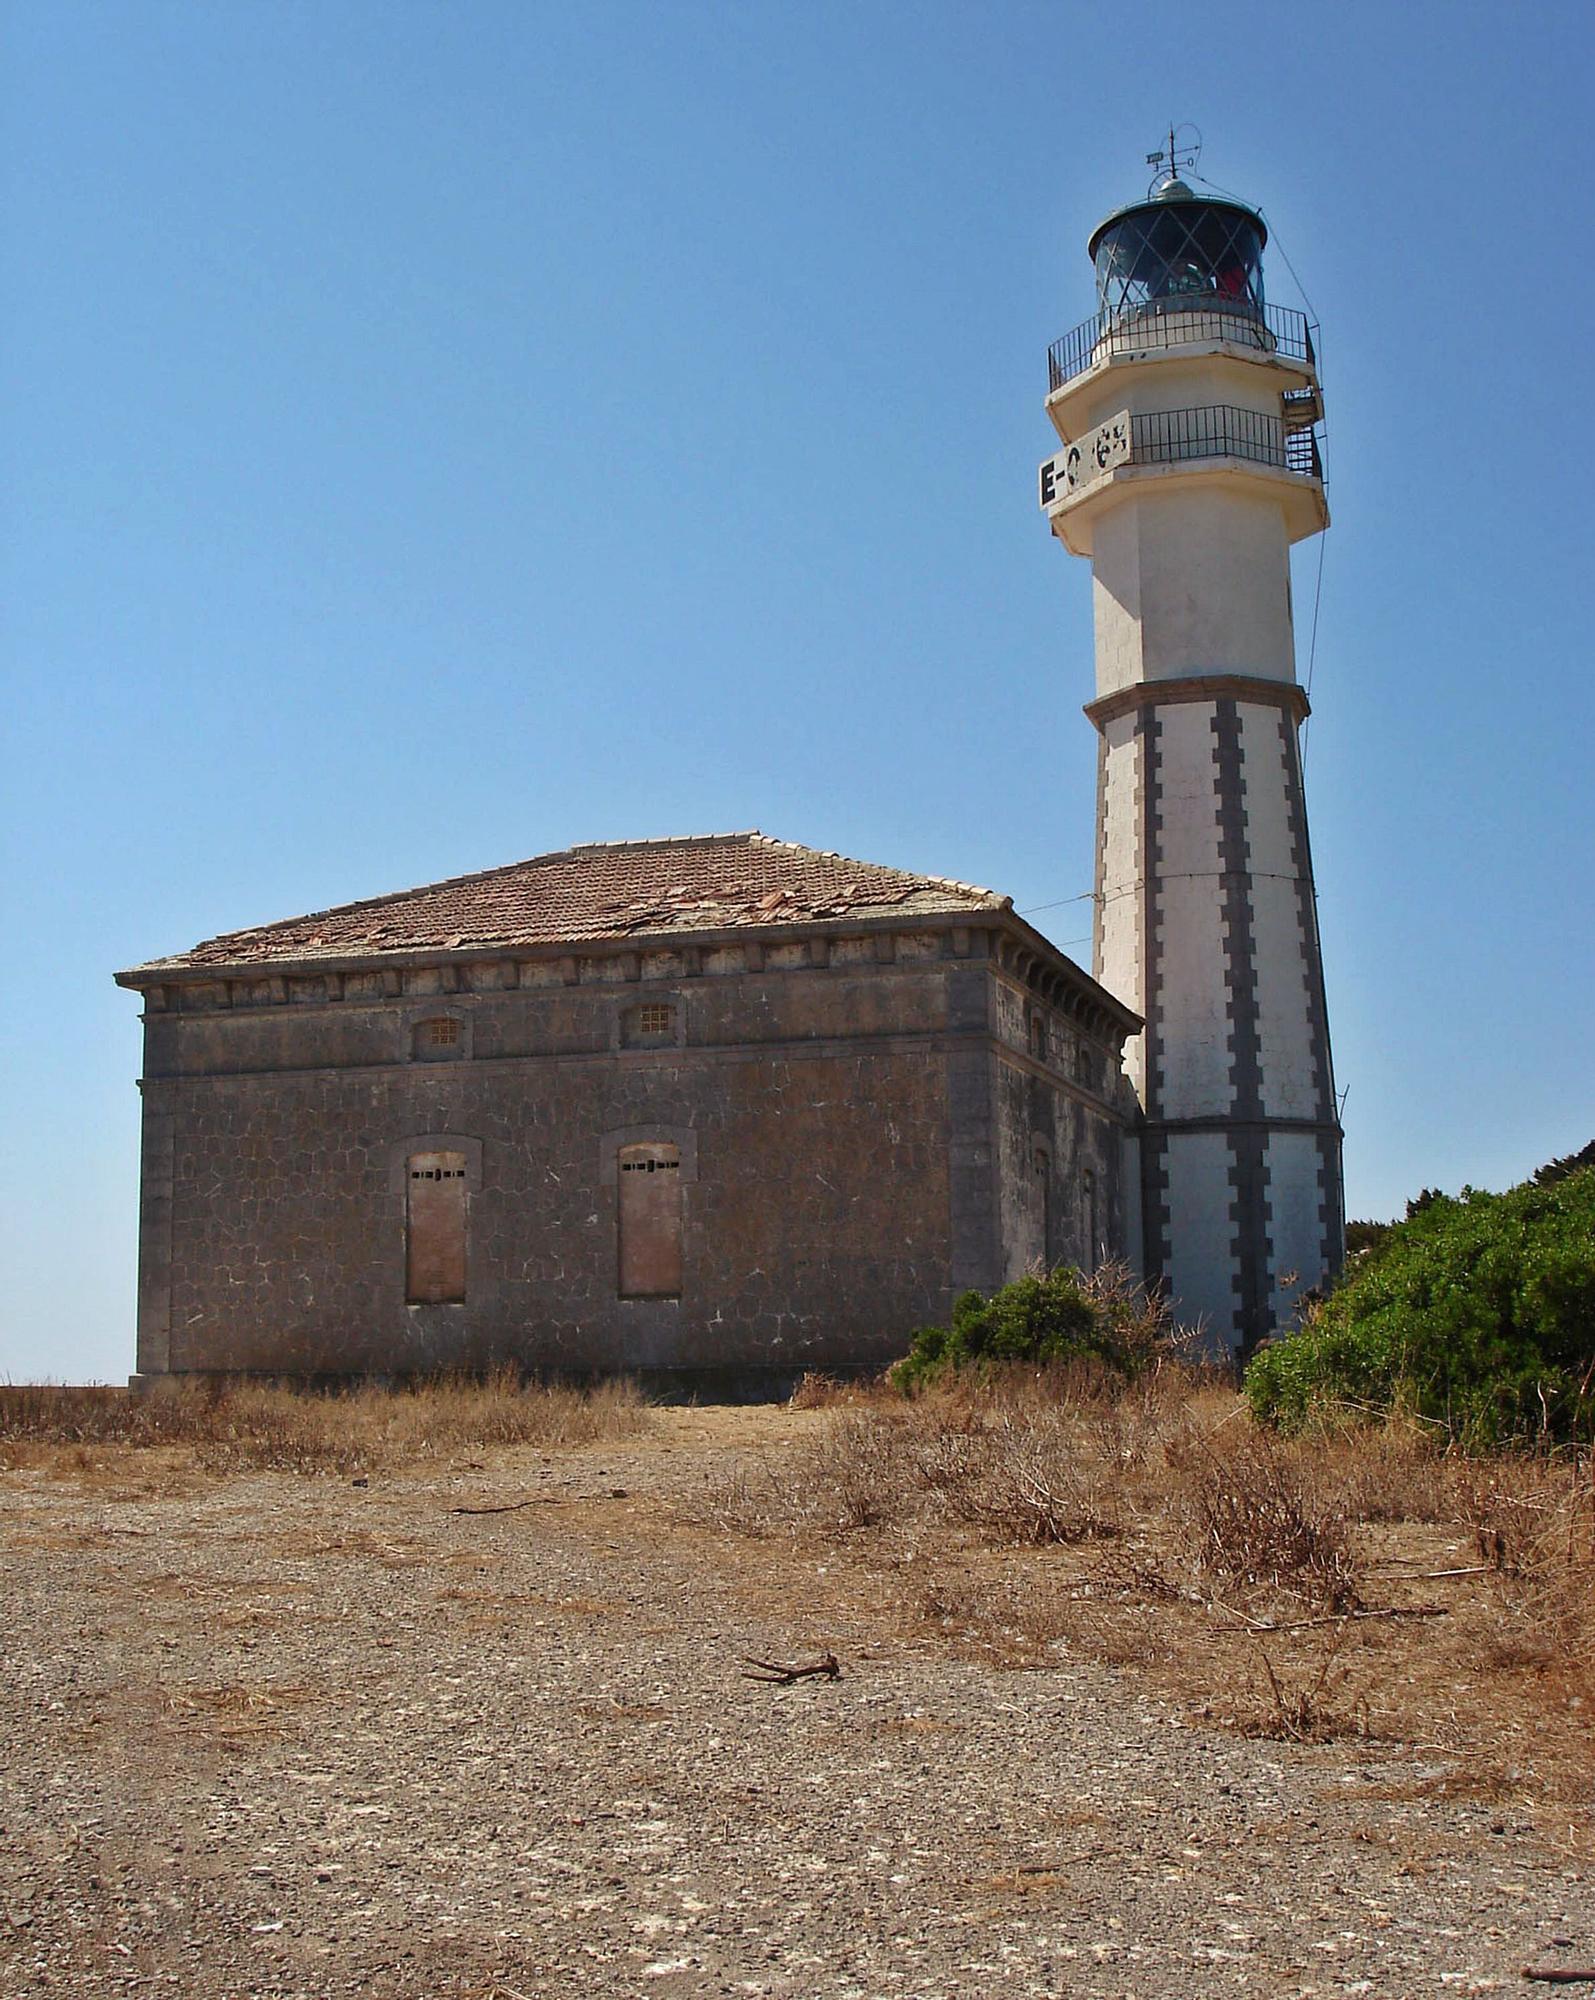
x=1088, y=896
x=1312, y=314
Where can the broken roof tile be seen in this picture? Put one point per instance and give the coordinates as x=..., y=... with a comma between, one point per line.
x=603, y=890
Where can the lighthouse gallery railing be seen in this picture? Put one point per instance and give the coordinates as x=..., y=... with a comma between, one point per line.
x=1176, y=322
x=1221, y=430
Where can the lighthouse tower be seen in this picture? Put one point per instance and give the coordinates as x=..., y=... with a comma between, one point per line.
x=1187, y=409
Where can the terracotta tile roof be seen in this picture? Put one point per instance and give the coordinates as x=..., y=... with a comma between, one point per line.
x=614, y=889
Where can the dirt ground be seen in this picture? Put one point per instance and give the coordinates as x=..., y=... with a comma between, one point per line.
x=275, y=1735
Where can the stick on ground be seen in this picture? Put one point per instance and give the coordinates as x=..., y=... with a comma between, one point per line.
x=770, y=1674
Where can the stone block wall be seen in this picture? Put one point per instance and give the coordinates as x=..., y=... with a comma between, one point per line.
x=842, y=1118
x=1059, y=1159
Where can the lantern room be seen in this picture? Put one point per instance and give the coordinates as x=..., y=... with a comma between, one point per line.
x=1180, y=250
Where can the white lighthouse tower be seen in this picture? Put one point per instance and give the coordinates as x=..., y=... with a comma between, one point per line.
x=1187, y=409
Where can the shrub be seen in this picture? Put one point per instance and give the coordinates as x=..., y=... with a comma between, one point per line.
x=1476, y=1315
x=1051, y=1319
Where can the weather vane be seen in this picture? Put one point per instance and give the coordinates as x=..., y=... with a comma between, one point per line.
x=1178, y=155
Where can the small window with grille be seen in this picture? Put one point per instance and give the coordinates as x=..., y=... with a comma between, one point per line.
x=438, y=1039
x=649, y=1024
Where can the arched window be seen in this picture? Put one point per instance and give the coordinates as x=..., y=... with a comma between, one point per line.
x=435, y=1229
x=649, y=1215
x=438, y=1039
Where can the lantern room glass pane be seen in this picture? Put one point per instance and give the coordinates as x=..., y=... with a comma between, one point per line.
x=1170, y=254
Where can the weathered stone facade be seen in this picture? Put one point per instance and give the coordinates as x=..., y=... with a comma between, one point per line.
x=855, y=1114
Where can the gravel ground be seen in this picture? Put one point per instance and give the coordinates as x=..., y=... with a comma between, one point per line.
x=292, y=1737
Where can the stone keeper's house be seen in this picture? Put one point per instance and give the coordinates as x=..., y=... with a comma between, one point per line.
x=711, y=1107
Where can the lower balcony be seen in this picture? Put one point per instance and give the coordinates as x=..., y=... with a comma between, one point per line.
x=1101, y=467
x=1220, y=430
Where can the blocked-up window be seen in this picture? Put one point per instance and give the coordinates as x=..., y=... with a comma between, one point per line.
x=438, y=1039
x=649, y=1215
x=435, y=1229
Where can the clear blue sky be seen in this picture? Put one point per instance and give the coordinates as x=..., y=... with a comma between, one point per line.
x=436, y=434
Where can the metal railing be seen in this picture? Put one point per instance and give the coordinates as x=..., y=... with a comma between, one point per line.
x=1221, y=430
x=1302, y=454
x=1176, y=322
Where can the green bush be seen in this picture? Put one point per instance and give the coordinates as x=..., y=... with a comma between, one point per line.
x=1476, y=1314
x=1041, y=1321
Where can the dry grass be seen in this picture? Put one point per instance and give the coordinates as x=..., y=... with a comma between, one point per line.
x=240, y=1425
x=1533, y=1526
x=1361, y=1582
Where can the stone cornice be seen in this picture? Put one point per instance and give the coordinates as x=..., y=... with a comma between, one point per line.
x=1222, y=1122
x=979, y=917
x=995, y=934
x=1199, y=687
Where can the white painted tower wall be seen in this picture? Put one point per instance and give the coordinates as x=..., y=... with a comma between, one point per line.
x=1205, y=915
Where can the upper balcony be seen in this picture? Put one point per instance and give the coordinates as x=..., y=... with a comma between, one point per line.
x=1165, y=324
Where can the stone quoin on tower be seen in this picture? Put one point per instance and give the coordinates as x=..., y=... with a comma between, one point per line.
x=1187, y=409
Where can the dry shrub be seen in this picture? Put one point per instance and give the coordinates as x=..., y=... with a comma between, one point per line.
x=1533, y=1524
x=1251, y=1518
x=1133, y=1572
x=1307, y=1704
x=240, y=1425
x=1016, y=1474
x=858, y=1473
x=1022, y=1479
x=819, y=1391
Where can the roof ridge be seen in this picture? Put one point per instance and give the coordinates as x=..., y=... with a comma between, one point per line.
x=882, y=867
x=658, y=840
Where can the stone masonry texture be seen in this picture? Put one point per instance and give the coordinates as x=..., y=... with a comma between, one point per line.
x=854, y=1112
